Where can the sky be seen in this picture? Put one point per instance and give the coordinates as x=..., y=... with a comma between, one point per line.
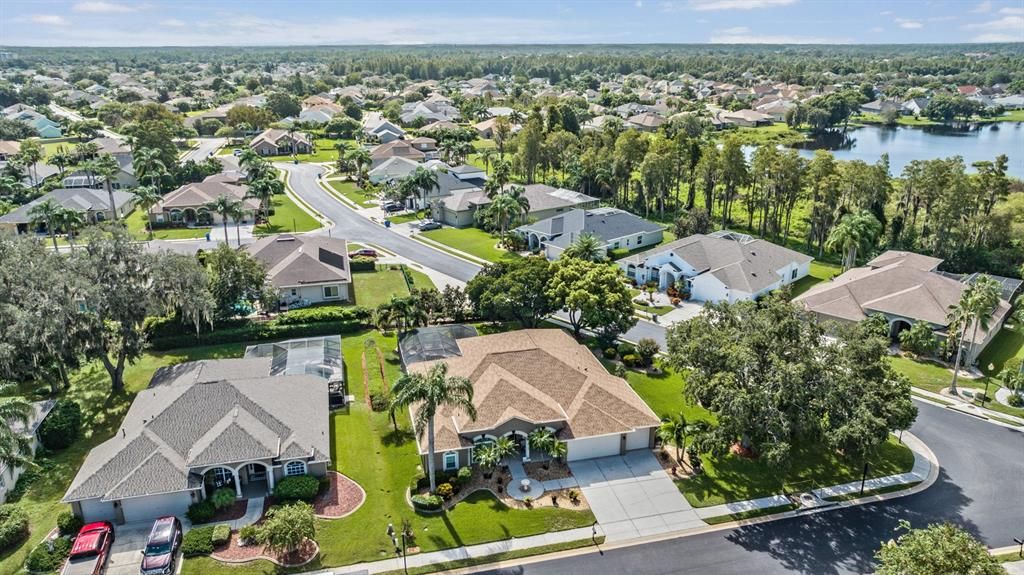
x=307, y=22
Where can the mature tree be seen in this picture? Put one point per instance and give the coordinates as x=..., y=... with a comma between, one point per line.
x=235, y=278
x=939, y=549
x=594, y=296
x=15, y=446
x=181, y=286
x=227, y=207
x=974, y=310
x=853, y=233
x=514, y=290
x=360, y=159
x=287, y=527
x=106, y=167
x=30, y=153
x=283, y=105
x=264, y=190
x=47, y=212
x=149, y=168
x=430, y=392
x=695, y=221
x=71, y=221
x=586, y=247
x=420, y=182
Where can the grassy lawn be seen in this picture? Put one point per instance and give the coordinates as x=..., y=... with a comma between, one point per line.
x=819, y=272
x=137, y=226
x=664, y=394
x=377, y=287
x=102, y=413
x=777, y=133
x=473, y=241
x=409, y=217
x=869, y=492
x=325, y=152
x=1008, y=343
x=352, y=193
x=287, y=217
x=733, y=478
x=50, y=147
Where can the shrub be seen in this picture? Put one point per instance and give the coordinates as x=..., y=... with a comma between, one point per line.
x=197, y=541
x=631, y=360
x=362, y=264
x=221, y=535
x=611, y=353
x=626, y=348
x=619, y=370
x=1015, y=400
x=223, y=497
x=297, y=487
x=249, y=533
x=68, y=523
x=13, y=526
x=380, y=400
x=201, y=512
x=464, y=475
x=426, y=502
x=255, y=332
x=647, y=348
x=321, y=314
x=574, y=496
x=43, y=560
x=61, y=427
x=444, y=490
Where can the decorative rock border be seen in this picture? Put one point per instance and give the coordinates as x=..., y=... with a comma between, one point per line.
x=354, y=509
x=271, y=559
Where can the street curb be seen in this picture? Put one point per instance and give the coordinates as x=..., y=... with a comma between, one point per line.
x=325, y=222
x=454, y=252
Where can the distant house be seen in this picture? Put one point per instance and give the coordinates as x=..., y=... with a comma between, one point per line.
x=9, y=474
x=43, y=126
x=123, y=179
x=439, y=126
x=393, y=149
x=458, y=208
x=646, y=121
x=426, y=145
x=722, y=266
x=915, y=106
x=485, y=129
x=1010, y=102
x=277, y=142
x=93, y=204
x=617, y=229
x=9, y=149
x=187, y=205
x=905, y=288
x=383, y=130
x=305, y=269
x=746, y=118
x=880, y=107
x=429, y=110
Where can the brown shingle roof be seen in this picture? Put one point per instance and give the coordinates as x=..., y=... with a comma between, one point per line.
x=196, y=195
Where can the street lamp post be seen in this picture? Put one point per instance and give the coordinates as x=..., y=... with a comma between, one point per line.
x=400, y=550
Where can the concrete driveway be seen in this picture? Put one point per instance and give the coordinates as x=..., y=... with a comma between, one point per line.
x=126, y=553
x=632, y=496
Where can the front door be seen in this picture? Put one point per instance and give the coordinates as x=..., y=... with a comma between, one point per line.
x=257, y=472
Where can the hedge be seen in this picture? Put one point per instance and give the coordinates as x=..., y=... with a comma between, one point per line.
x=13, y=526
x=427, y=502
x=156, y=327
x=297, y=487
x=255, y=332
x=201, y=512
x=323, y=313
x=221, y=534
x=197, y=541
x=68, y=523
x=43, y=560
x=61, y=427
x=362, y=264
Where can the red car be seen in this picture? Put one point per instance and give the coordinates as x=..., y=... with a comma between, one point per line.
x=91, y=549
x=365, y=252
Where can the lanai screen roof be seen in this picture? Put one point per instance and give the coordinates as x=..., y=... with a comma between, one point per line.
x=319, y=356
x=434, y=342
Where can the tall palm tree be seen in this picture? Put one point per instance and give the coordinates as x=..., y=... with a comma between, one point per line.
x=149, y=168
x=423, y=181
x=854, y=232
x=360, y=158
x=31, y=153
x=586, y=247
x=518, y=195
x=15, y=447
x=62, y=158
x=70, y=221
x=248, y=157
x=673, y=430
x=11, y=187
x=430, y=392
x=258, y=169
x=974, y=309
x=107, y=167
x=502, y=209
x=47, y=212
x=146, y=197
x=487, y=156
x=226, y=206
x=237, y=213
x=264, y=190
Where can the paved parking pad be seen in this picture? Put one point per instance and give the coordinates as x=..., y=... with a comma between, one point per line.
x=632, y=496
x=126, y=552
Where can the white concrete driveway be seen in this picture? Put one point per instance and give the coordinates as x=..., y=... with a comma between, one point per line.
x=126, y=553
x=632, y=496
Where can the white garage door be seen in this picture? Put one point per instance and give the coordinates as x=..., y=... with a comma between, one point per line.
x=153, y=506
x=591, y=447
x=639, y=439
x=96, y=510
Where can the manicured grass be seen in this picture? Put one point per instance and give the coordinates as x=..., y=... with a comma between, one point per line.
x=506, y=556
x=1008, y=343
x=351, y=192
x=409, y=217
x=663, y=392
x=750, y=514
x=137, y=226
x=869, y=492
x=325, y=152
x=819, y=272
x=102, y=414
x=733, y=478
x=287, y=217
x=934, y=377
x=376, y=287
x=473, y=241
x=50, y=147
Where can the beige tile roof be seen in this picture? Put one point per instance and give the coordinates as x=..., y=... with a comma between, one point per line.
x=198, y=194
x=538, y=376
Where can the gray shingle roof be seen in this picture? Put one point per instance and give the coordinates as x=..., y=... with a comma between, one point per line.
x=607, y=224
x=302, y=260
x=80, y=199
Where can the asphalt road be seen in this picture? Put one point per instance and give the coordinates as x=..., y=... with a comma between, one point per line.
x=205, y=148
x=980, y=488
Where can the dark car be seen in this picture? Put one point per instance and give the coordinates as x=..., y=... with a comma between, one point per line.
x=393, y=208
x=430, y=225
x=365, y=252
x=161, y=547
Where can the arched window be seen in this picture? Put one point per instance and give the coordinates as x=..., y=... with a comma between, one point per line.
x=295, y=468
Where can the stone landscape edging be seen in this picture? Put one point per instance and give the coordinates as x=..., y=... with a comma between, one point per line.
x=271, y=559
x=356, y=508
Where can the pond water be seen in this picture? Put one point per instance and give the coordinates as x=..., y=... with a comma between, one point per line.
x=974, y=143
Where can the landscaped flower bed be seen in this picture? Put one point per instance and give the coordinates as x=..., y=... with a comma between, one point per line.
x=340, y=497
x=233, y=552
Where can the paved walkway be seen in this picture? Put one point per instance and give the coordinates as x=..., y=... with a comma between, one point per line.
x=514, y=489
x=968, y=407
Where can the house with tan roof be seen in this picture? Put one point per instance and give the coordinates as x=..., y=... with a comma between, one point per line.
x=531, y=379
x=305, y=269
x=395, y=149
x=277, y=142
x=187, y=205
x=905, y=288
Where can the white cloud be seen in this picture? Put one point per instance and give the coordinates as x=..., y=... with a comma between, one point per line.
x=909, y=24
x=997, y=37
x=942, y=18
x=1015, y=23
x=1012, y=11
x=983, y=7
x=101, y=7
x=734, y=31
x=49, y=20
x=708, y=5
x=748, y=38
x=172, y=22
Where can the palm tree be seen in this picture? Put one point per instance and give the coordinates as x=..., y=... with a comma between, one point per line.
x=586, y=247
x=146, y=197
x=423, y=181
x=558, y=450
x=47, y=212
x=62, y=158
x=486, y=456
x=107, y=167
x=226, y=206
x=360, y=158
x=11, y=187
x=264, y=190
x=148, y=166
x=258, y=169
x=237, y=213
x=31, y=153
x=15, y=447
x=852, y=233
x=502, y=209
x=70, y=221
x=974, y=308
x=673, y=430
x=487, y=156
x=518, y=194
x=248, y=157
x=86, y=151
x=541, y=439
x=430, y=392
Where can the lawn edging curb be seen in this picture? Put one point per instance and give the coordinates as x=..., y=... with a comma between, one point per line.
x=270, y=559
x=354, y=509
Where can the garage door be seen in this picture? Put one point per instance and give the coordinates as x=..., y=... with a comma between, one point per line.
x=639, y=439
x=153, y=506
x=593, y=447
x=96, y=510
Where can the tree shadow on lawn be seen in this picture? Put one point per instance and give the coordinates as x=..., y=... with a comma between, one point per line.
x=397, y=438
x=845, y=540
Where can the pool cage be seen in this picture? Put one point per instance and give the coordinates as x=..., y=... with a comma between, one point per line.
x=433, y=342
x=319, y=356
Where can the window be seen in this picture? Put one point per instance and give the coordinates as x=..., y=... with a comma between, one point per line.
x=451, y=461
x=330, y=292
x=639, y=239
x=792, y=276
x=222, y=476
x=295, y=468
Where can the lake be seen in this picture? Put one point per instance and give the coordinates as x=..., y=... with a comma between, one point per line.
x=903, y=144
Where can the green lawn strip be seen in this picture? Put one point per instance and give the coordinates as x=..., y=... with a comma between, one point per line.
x=819, y=272
x=869, y=492
x=136, y=222
x=420, y=279
x=505, y=556
x=50, y=147
x=929, y=398
x=409, y=217
x=1006, y=421
x=102, y=414
x=326, y=151
x=376, y=287
x=441, y=247
x=719, y=519
x=351, y=192
x=656, y=310
x=733, y=478
x=287, y=217
x=663, y=392
x=777, y=133
x=1010, y=557
x=481, y=143
x=1008, y=343
x=934, y=377
x=473, y=241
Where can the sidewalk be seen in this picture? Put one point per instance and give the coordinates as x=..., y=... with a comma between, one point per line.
x=922, y=469
x=968, y=407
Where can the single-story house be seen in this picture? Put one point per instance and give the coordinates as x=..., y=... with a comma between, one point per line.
x=617, y=229
x=646, y=121
x=9, y=474
x=305, y=269
x=277, y=142
x=746, y=118
x=242, y=423
x=535, y=379
x=187, y=204
x=722, y=266
x=882, y=106
x=439, y=126
x=458, y=208
x=426, y=145
x=905, y=288
x=93, y=204
x=430, y=110
x=124, y=178
x=375, y=125
x=44, y=127
x=395, y=148
x=9, y=149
